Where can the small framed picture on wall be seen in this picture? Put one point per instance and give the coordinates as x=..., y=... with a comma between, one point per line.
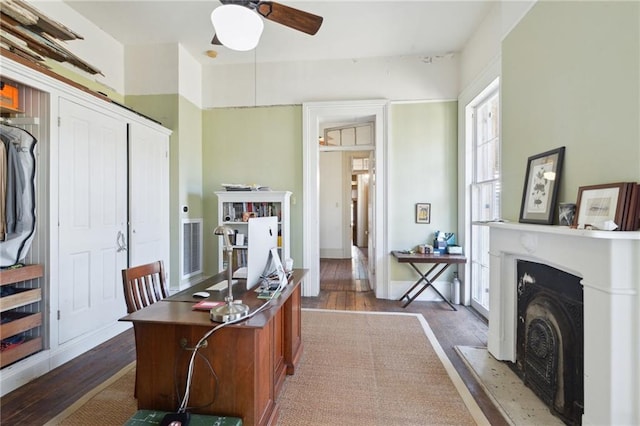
x=423, y=213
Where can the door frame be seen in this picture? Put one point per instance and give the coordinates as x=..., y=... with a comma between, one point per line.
x=313, y=115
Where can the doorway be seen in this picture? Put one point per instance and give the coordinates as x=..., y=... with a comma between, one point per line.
x=344, y=216
x=317, y=116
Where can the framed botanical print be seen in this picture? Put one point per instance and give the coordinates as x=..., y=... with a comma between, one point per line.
x=542, y=180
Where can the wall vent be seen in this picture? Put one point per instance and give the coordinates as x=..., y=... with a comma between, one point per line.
x=191, y=247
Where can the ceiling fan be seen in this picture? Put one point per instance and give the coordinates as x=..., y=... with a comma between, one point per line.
x=285, y=15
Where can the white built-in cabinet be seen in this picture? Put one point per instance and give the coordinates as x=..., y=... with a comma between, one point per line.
x=148, y=174
x=92, y=198
x=102, y=204
x=234, y=210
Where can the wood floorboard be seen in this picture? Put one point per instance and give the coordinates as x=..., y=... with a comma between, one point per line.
x=344, y=286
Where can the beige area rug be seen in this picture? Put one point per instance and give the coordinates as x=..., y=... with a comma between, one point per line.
x=111, y=403
x=365, y=368
x=519, y=405
x=357, y=368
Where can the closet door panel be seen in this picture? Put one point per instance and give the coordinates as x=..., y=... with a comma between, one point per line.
x=93, y=214
x=148, y=196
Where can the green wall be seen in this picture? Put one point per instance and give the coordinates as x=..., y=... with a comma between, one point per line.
x=571, y=77
x=190, y=161
x=422, y=169
x=264, y=146
x=185, y=162
x=252, y=146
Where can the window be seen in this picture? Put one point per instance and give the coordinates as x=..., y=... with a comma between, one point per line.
x=485, y=188
x=360, y=164
x=354, y=135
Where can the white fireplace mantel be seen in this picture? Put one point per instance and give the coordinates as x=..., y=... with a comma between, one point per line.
x=608, y=262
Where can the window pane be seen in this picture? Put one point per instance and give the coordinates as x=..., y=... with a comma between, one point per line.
x=348, y=136
x=480, y=265
x=485, y=192
x=333, y=137
x=363, y=135
x=485, y=198
x=488, y=161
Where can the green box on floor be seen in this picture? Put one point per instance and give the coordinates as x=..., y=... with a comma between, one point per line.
x=150, y=417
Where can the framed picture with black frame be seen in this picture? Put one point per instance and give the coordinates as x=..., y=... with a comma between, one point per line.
x=541, y=184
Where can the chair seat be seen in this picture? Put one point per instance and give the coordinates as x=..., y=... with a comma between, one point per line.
x=151, y=417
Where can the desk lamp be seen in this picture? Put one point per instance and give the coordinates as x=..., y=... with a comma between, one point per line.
x=230, y=311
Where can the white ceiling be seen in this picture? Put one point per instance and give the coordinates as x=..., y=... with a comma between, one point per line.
x=351, y=29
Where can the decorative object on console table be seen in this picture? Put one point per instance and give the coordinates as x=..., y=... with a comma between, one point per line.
x=442, y=240
x=423, y=213
x=603, y=206
x=541, y=183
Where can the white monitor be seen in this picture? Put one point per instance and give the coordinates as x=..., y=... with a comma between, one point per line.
x=262, y=235
x=275, y=270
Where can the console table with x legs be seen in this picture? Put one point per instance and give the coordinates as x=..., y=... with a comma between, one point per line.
x=440, y=263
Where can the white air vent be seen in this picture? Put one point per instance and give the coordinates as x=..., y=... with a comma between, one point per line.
x=191, y=247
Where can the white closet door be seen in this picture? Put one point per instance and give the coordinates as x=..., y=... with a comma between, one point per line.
x=148, y=195
x=93, y=214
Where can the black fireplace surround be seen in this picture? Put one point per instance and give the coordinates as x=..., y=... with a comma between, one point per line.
x=550, y=342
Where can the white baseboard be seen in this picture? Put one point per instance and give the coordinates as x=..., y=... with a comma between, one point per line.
x=36, y=365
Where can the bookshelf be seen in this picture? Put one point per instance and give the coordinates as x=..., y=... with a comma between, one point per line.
x=236, y=207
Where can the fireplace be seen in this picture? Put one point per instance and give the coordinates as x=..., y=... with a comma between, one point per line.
x=605, y=267
x=549, y=344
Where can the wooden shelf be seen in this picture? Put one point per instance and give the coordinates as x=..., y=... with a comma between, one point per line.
x=28, y=272
x=20, y=298
x=20, y=322
x=8, y=111
x=20, y=351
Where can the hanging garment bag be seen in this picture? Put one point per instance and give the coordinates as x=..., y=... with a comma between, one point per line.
x=17, y=194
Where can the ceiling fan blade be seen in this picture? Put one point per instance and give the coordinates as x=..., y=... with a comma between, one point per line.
x=215, y=40
x=246, y=3
x=290, y=17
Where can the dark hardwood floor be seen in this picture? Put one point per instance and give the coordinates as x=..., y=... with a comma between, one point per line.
x=344, y=286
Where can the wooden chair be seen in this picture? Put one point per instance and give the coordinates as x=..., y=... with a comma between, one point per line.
x=144, y=285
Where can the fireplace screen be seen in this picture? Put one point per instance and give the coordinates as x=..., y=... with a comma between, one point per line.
x=550, y=348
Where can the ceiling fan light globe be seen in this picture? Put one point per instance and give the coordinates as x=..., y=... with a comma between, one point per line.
x=237, y=27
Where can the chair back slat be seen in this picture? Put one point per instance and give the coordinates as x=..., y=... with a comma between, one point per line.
x=144, y=285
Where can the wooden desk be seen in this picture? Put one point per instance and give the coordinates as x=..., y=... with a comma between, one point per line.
x=440, y=263
x=251, y=359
